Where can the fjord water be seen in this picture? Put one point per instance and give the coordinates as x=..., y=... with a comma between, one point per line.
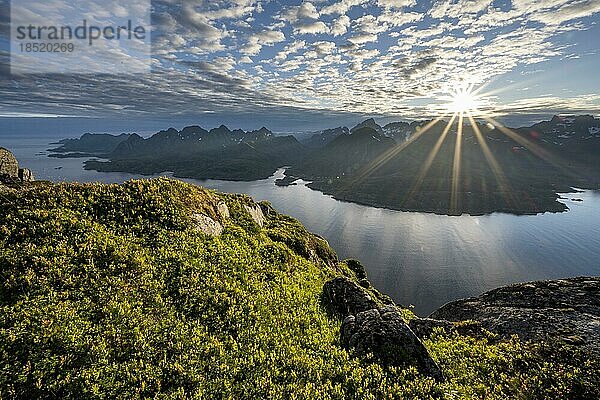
x=418, y=259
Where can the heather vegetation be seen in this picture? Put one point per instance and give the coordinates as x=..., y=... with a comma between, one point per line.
x=111, y=291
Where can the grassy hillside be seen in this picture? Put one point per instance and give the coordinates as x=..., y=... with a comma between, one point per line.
x=109, y=291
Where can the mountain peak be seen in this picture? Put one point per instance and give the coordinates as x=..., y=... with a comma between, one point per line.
x=263, y=131
x=221, y=129
x=368, y=123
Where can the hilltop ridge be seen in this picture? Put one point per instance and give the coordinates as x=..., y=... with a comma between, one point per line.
x=158, y=288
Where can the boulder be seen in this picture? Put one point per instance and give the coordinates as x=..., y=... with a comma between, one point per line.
x=267, y=208
x=10, y=171
x=207, y=225
x=383, y=333
x=565, y=309
x=25, y=175
x=256, y=213
x=9, y=166
x=223, y=210
x=345, y=297
x=356, y=267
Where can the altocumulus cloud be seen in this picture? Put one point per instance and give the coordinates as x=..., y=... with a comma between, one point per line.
x=385, y=57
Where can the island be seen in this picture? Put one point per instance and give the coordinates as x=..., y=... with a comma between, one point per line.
x=433, y=166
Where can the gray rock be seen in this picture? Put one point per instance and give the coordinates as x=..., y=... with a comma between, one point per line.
x=25, y=175
x=256, y=213
x=207, y=225
x=565, y=309
x=346, y=297
x=223, y=210
x=10, y=171
x=9, y=166
x=383, y=333
x=267, y=208
x=357, y=268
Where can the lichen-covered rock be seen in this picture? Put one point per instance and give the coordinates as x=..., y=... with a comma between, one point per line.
x=565, y=309
x=345, y=297
x=383, y=333
x=256, y=213
x=207, y=225
x=25, y=175
x=9, y=166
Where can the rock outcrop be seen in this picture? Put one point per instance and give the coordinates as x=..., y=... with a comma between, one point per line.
x=345, y=297
x=207, y=225
x=9, y=166
x=10, y=171
x=384, y=333
x=256, y=213
x=356, y=267
x=565, y=309
x=223, y=210
x=370, y=329
x=211, y=226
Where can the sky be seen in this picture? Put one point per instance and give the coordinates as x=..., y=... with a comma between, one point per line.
x=294, y=66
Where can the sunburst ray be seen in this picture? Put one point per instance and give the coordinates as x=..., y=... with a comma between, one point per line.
x=492, y=162
x=393, y=152
x=456, y=165
x=430, y=158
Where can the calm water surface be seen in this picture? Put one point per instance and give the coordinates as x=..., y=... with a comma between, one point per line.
x=419, y=259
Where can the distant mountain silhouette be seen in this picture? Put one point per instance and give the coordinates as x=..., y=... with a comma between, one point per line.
x=195, y=153
x=529, y=169
x=96, y=144
x=517, y=171
x=321, y=138
x=346, y=153
x=368, y=123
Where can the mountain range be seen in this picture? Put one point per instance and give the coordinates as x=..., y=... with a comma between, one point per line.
x=407, y=166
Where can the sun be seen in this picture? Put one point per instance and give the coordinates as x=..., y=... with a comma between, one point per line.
x=462, y=100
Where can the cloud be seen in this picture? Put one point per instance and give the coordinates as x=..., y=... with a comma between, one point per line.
x=394, y=18
x=341, y=7
x=299, y=13
x=568, y=12
x=362, y=38
x=455, y=9
x=363, y=56
x=313, y=28
x=304, y=19
x=396, y=4
x=256, y=41
x=340, y=25
x=201, y=24
x=323, y=48
x=368, y=24
x=290, y=49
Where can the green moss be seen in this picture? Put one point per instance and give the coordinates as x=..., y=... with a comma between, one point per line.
x=108, y=291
